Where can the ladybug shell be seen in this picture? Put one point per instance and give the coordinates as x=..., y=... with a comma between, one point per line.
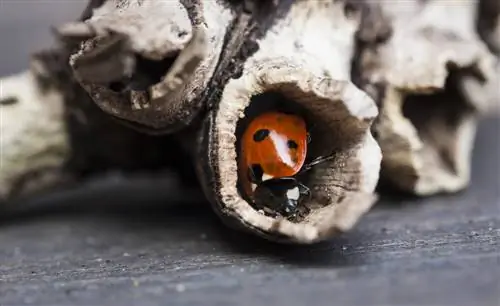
x=276, y=143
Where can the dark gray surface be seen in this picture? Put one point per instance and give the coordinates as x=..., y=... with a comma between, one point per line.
x=439, y=251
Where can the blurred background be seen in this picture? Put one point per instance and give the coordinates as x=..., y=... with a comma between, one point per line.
x=25, y=27
x=438, y=251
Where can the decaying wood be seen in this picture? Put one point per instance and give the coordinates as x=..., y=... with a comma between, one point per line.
x=432, y=77
x=289, y=64
x=53, y=134
x=147, y=62
x=137, y=84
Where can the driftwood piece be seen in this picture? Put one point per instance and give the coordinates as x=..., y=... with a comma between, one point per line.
x=432, y=76
x=157, y=85
x=290, y=70
x=147, y=62
x=54, y=135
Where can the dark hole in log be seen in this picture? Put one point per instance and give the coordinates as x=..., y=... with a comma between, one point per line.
x=117, y=86
x=448, y=103
x=147, y=73
x=447, y=106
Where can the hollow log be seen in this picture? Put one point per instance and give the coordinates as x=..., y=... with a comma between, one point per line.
x=391, y=91
x=433, y=77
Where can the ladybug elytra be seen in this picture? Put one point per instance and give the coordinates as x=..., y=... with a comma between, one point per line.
x=272, y=153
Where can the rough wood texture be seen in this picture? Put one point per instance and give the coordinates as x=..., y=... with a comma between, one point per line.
x=95, y=137
x=289, y=70
x=438, y=251
x=425, y=64
x=147, y=62
x=214, y=55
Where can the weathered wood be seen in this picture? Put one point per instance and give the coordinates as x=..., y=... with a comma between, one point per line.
x=217, y=56
x=286, y=73
x=433, y=78
x=438, y=251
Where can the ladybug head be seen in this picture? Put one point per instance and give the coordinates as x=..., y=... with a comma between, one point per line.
x=281, y=195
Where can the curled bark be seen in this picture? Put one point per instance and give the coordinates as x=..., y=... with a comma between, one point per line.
x=147, y=62
x=290, y=72
x=430, y=72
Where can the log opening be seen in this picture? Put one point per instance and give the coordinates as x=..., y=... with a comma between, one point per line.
x=341, y=115
x=147, y=73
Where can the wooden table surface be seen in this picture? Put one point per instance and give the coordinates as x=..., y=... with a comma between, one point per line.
x=439, y=251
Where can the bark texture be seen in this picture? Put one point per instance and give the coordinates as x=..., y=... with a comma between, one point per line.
x=142, y=85
x=147, y=62
x=287, y=70
x=433, y=77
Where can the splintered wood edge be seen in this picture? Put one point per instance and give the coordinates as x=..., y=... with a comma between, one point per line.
x=174, y=101
x=236, y=96
x=34, y=140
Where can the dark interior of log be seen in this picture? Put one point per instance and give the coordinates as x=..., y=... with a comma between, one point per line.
x=147, y=73
x=446, y=106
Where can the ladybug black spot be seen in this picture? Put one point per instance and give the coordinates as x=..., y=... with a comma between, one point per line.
x=292, y=144
x=260, y=135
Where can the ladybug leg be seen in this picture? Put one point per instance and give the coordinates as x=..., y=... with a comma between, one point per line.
x=303, y=189
x=316, y=161
x=308, y=138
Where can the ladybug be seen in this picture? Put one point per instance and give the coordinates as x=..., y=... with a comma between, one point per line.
x=272, y=152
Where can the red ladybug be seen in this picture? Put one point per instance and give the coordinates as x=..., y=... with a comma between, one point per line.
x=273, y=151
